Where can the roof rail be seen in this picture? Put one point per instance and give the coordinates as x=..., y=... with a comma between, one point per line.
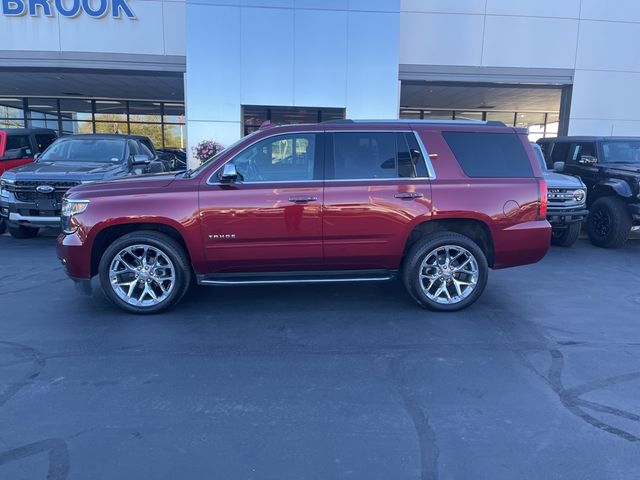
x=489, y=123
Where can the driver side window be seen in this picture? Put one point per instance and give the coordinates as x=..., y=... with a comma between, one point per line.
x=283, y=158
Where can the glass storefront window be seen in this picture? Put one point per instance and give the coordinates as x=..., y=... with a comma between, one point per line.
x=553, y=121
x=151, y=130
x=120, y=128
x=407, y=114
x=174, y=136
x=255, y=115
x=11, y=123
x=438, y=114
x=504, y=117
x=11, y=108
x=110, y=111
x=150, y=112
x=468, y=115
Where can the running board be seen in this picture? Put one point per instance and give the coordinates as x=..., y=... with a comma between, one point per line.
x=269, y=278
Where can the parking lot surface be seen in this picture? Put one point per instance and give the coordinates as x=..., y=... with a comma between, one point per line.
x=539, y=379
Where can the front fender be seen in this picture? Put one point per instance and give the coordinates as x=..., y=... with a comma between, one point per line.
x=614, y=185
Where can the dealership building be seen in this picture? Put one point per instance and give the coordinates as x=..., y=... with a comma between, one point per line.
x=184, y=71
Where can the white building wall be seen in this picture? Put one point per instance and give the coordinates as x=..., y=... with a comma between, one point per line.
x=596, y=39
x=311, y=53
x=158, y=29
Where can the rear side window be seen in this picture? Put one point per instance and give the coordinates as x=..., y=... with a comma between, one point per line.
x=490, y=154
x=44, y=140
x=373, y=155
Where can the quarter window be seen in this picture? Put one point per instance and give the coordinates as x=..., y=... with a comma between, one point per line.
x=500, y=155
x=284, y=158
x=372, y=155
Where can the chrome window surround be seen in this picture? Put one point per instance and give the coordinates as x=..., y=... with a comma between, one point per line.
x=431, y=174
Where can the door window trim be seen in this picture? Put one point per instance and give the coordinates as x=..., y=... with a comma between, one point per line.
x=431, y=175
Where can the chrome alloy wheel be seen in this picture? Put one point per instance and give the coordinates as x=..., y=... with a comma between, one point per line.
x=142, y=275
x=448, y=274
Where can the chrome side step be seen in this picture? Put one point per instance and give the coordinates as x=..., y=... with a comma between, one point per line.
x=297, y=277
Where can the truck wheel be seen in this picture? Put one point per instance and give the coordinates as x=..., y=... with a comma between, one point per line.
x=145, y=272
x=609, y=222
x=445, y=272
x=3, y=225
x=566, y=237
x=20, y=231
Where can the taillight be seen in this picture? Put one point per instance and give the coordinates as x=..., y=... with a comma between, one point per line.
x=542, y=197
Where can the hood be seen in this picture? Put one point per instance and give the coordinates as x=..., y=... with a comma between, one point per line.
x=125, y=185
x=69, y=171
x=627, y=168
x=559, y=180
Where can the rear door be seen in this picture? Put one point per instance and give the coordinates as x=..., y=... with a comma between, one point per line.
x=18, y=151
x=376, y=184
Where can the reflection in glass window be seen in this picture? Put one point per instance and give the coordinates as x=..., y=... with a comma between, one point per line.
x=364, y=155
x=255, y=115
x=281, y=158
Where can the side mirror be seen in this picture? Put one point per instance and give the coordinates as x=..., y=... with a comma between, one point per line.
x=558, y=166
x=36, y=156
x=138, y=160
x=229, y=173
x=587, y=160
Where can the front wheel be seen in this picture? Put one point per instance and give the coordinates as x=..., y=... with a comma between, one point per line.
x=20, y=231
x=609, y=222
x=145, y=272
x=445, y=272
x=566, y=237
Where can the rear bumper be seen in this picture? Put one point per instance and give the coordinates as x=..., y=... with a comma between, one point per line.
x=561, y=218
x=521, y=244
x=75, y=256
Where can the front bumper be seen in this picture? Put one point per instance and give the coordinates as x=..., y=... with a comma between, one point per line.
x=29, y=214
x=75, y=256
x=564, y=217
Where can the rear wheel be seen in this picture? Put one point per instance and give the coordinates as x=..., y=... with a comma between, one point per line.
x=609, y=222
x=566, y=237
x=20, y=231
x=445, y=272
x=145, y=272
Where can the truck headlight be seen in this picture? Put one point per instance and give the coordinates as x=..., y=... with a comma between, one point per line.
x=579, y=195
x=6, y=186
x=71, y=208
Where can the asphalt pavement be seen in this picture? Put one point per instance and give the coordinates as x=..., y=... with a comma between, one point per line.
x=539, y=380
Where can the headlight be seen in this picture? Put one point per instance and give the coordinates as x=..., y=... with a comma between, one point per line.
x=71, y=208
x=6, y=186
x=579, y=195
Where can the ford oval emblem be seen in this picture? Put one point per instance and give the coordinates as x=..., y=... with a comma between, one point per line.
x=44, y=189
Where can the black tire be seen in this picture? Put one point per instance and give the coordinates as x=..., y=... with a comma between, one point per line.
x=566, y=237
x=20, y=231
x=609, y=222
x=423, y=248
x=3, y=225
x=169, y=247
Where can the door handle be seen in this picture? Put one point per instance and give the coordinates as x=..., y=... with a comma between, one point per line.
x=408, y=195
x=303, y=199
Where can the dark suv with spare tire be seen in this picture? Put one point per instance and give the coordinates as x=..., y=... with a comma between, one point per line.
x=610, y=168
x=435, y=204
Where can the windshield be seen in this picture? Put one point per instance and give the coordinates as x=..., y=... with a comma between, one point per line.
x=539, y=156
x=621, y=151
x=85, y=150
x=199, y=168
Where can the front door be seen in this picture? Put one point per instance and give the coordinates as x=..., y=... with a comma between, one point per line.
x=270, y=217
x=377, y=184
x=18, y=150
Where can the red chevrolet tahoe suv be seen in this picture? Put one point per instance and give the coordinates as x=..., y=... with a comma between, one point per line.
x=434, y=203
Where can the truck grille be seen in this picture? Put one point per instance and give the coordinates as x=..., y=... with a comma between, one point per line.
x=26, y=191
x=561, y=197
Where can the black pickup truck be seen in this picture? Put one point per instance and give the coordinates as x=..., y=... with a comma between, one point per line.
x=31, y=195
x=610, y=168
